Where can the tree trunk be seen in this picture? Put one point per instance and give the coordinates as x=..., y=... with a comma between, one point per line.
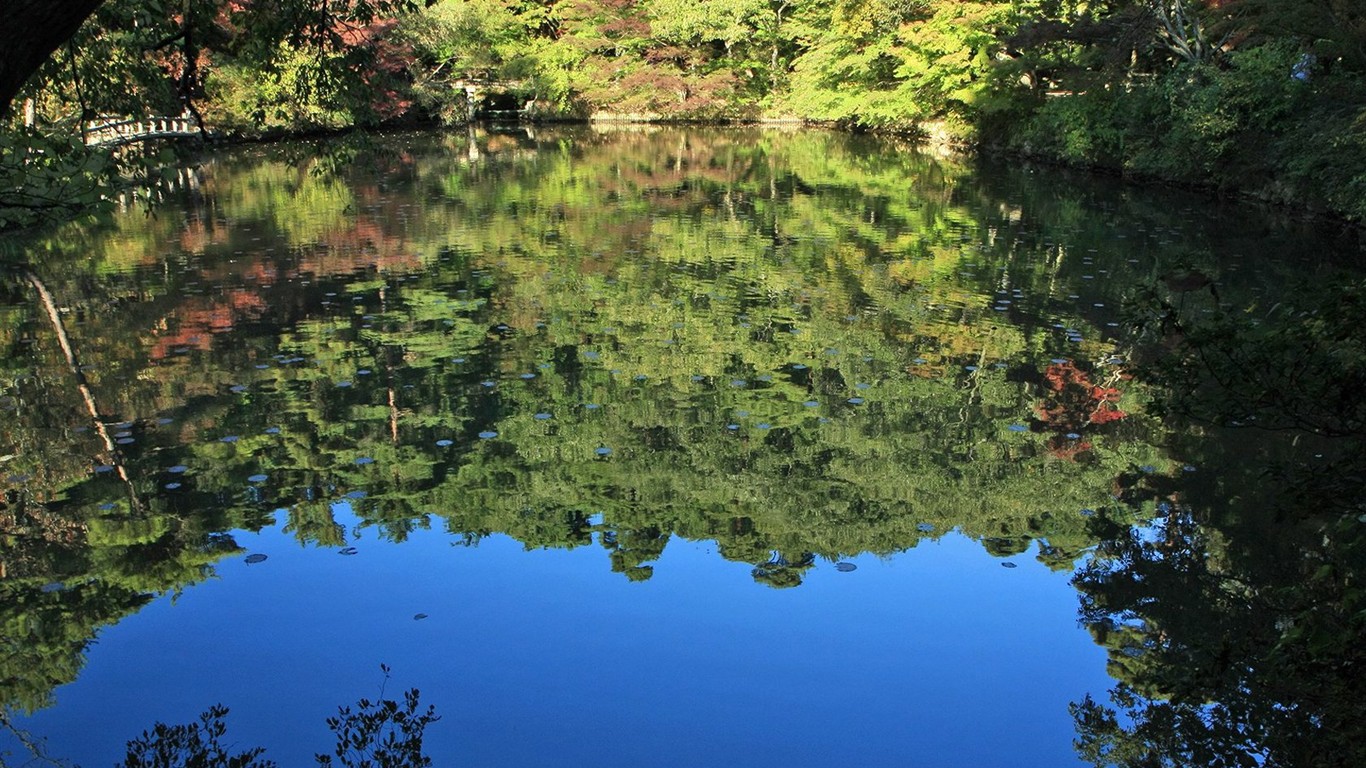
x=31, y=31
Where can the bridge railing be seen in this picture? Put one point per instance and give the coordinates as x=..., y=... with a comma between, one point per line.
x=113, y=131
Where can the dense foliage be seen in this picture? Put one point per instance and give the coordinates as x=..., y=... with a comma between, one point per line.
x=1263, y=96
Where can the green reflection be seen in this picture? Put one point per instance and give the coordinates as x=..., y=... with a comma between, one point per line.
x=801, y=346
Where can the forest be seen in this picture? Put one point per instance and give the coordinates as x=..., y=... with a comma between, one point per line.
x=1258, y=97
x=637, y=298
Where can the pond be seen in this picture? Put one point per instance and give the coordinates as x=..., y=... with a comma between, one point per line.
x=728, y=446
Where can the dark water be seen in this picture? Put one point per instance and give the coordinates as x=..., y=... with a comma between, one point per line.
x=579, y=432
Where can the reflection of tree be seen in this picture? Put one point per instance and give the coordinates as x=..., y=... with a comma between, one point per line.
x=781, y=572
x=766, y=332
x=1226, y=657
x=1235, y=621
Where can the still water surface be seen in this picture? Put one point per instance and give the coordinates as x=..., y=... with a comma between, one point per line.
x=641, y=447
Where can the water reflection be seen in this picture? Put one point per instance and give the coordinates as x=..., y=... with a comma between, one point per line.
x=802, y=347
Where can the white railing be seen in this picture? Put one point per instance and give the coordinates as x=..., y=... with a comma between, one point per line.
x=115, y=131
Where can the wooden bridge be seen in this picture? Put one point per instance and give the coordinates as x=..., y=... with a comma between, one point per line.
x=113, y=132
